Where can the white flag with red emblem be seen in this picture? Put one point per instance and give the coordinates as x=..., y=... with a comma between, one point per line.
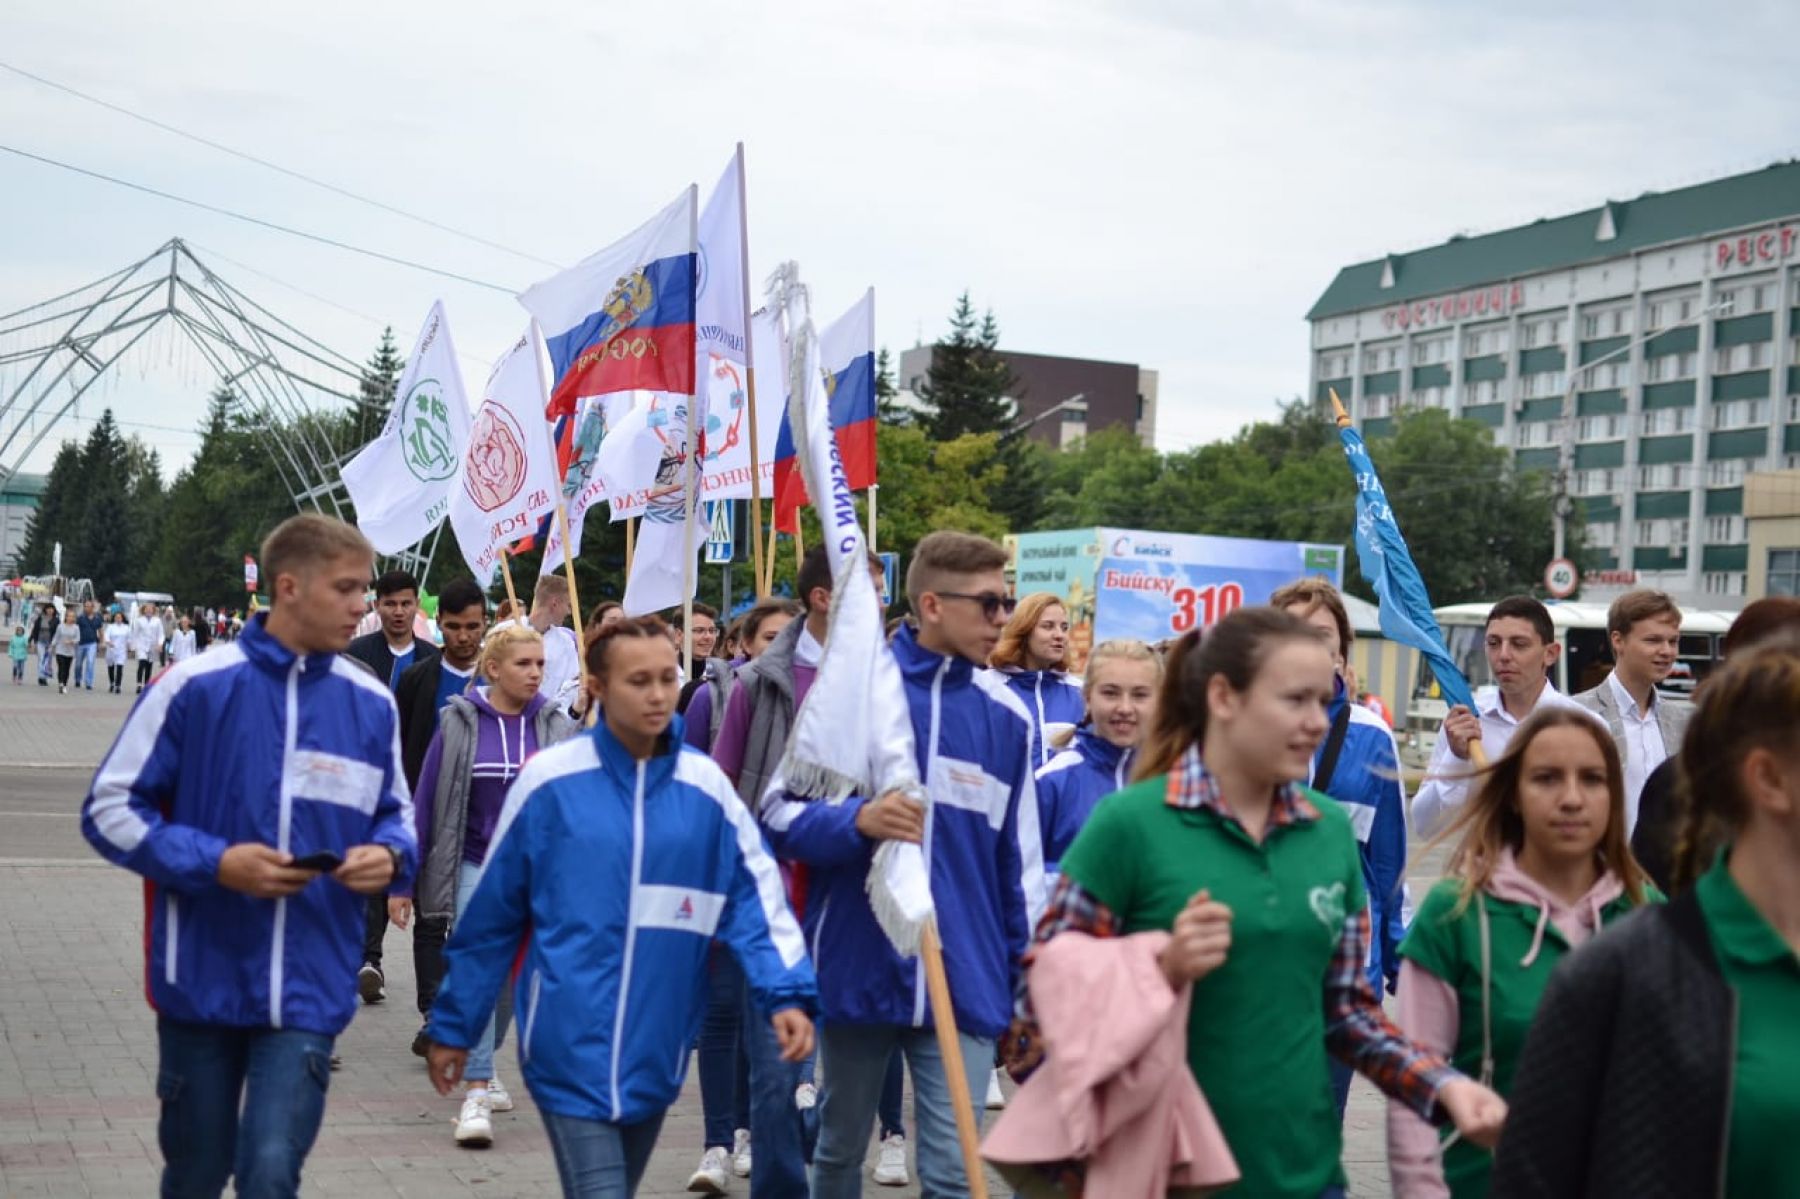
x=508, y=479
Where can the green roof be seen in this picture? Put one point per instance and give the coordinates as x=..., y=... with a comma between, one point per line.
x=1654, y=218
x=26, y=485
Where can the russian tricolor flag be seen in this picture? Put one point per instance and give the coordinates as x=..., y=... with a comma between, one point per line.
x=623, y=318
x=847, y=357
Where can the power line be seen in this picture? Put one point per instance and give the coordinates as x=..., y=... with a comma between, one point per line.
x=277, y=167
x=239, y=216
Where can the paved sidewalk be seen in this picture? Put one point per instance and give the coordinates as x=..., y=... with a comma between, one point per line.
x=78, y=1045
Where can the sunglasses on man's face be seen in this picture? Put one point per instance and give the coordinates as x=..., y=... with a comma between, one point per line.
x=991, y=605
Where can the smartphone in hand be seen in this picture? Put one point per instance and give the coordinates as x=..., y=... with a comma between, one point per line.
x=323, y=861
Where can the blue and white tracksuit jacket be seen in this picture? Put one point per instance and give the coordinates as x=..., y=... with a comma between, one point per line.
x=1050, y=697
x=250, y=742
x=1367, y=783
x=618, y=874
x=1072, y=786
x=982, y=848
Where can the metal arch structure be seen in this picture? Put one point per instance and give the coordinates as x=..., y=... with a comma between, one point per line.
x=286, y=379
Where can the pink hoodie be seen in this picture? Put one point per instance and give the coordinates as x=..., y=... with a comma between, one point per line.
x=1431, y=1017
x=1114, y=1091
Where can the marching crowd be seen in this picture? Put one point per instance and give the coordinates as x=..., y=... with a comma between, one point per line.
x=600, y=856
x=69, y=642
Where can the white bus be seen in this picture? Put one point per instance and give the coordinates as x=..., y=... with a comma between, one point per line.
x=1585, y=660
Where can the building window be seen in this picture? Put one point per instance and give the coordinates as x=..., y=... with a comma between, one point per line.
x=1603, y=535
x=1431, y=397
x=1600, y=428
x=1793, y=408
x=1667, y=311
x=1427, y=350
x=1723, y=582
x=1543, y=383
x=1730, y=360
x=1381, y=358
x=1725, y=530
x=1611, y=322
x=1545, y=331
x=1536, y=433
x=1784, y=572
x=1662, y=533
x=1607, y=374
x=1665, y=367
x=1334, y=364
x=1727, y=472
x=1671, y=476
x=1663, y=421
x=1745, y=297
x=1740, y=414
x=1485, y=392
x=1478, y=343
x=1597, y=482
x=1377, y=406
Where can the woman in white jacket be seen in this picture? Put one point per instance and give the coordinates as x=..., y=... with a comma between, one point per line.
x=146, y=638
x=181, y=641
x=117, y=638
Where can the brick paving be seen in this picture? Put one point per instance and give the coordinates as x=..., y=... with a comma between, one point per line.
x=78, y=1048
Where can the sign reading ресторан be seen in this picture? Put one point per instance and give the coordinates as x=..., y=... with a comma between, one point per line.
x=1497, y=300
x=1755, y=249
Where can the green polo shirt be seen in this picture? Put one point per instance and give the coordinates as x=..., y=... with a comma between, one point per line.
x=1448, y=944
x=1256, y=1029
x=1764, y=973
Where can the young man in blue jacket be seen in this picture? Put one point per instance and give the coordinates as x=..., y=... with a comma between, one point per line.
x=985, y=857
x=1358, y=765
x=259, y=790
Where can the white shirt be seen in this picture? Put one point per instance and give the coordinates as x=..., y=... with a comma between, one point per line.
x=146, y=634
x=1644, y=748
x=562, y=666
x=1446, y=785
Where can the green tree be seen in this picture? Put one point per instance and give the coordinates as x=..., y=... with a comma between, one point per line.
x=100, y=549
x=143, y=510
x=57, y=512
x=966, y=386
x=375, y=395
x=887, y=407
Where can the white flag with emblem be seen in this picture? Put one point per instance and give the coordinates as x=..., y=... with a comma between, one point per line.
x=508, y=481
x=400, y=482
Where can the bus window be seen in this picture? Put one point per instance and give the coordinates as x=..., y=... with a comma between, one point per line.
x=1587, y=656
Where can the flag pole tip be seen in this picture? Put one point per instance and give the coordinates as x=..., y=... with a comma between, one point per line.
x=1337, y=406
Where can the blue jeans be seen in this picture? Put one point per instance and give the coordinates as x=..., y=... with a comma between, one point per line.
x=204, y=1073
x=597, y=1160
x=1341, y=1077
x=890, y=1114
x=854, y=1059
x=84, y=665
x=724, y=1068
x=481, y=1053
x=782, y=1134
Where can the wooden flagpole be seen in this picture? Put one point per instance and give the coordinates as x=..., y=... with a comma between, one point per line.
x=1477, y=751
x=943, y=1018
x=630, y=544
x=562, y=522
x=756, y=530
x=512, y=597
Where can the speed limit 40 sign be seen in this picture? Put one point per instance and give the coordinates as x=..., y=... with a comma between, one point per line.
x=1560, y=578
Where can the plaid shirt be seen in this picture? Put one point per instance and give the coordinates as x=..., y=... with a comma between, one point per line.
x=1357, y=1031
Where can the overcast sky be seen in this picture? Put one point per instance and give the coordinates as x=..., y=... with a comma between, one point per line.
x=1171, y=184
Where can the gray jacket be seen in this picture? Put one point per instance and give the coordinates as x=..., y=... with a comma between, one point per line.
x=1672, y=716
x=434, y=893
x=769, y=690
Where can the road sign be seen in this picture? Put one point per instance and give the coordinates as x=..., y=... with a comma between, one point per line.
x=720, y=521
x=1560, y=578
x=890, y=577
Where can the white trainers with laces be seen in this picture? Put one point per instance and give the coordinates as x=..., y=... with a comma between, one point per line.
x=714, y=1174
x=740, y=1153
x=498, y=1099
x=996, y=1098
x=890, y=1167
x=475, y=1125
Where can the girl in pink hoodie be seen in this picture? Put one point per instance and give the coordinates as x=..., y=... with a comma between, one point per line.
x=1542, y=863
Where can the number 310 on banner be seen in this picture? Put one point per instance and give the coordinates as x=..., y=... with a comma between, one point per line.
x=1204, y=605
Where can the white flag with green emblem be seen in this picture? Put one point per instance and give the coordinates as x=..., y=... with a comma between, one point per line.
x=401, y=481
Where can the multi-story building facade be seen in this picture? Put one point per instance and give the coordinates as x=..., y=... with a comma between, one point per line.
x=18, y=500
x=1061, y=400
x=1646, y=351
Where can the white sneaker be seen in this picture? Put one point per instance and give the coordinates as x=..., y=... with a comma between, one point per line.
x=498, y=1099
x=714, y=1174
x=806, y=1096
x=890, y=1167
x=996, y=1098
x=474, y=1125
x=740, y=1153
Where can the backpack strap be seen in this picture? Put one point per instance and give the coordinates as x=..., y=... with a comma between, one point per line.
x=1334, y=745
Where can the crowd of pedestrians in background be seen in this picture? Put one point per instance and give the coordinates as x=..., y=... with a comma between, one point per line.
x=69, y=641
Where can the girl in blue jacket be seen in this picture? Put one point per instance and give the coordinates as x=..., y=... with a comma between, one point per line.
x=618, y=857
x=1122, y=677
x=1031, y=654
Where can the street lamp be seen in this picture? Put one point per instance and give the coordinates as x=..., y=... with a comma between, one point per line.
x=1073, y=400
x=1566, y=449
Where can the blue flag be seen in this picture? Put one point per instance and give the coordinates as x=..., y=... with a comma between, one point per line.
x=1387, y=566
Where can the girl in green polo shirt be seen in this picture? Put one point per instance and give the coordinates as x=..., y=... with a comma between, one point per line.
x=1664, y=1055
x=1541, y=864
x=1260, y=881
